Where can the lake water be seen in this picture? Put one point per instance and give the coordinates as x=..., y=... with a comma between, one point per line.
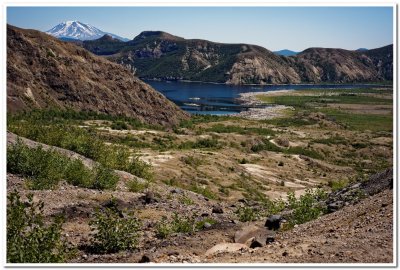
x=218, y=99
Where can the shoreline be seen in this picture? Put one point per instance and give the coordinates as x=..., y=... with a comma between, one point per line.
x=270, y=84
x=268, y=112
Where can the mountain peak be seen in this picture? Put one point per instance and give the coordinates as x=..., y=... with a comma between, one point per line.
x=156, y=34
x=78, y=30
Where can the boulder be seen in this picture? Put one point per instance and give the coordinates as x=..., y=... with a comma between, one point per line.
x=333, y=207
x=226, y=247
x=217, y=209
x=149, y=198
x=273, y=222
x=146, y=258
x=254, y=236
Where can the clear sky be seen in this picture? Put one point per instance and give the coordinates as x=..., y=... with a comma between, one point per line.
x=275, y=28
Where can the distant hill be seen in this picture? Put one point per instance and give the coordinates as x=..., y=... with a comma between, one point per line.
x=156, y=54
x=44, y=72
x=361, y=50
x=75, y=30
x=285, y=52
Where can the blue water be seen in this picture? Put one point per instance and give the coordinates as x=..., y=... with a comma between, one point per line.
x=220, y=99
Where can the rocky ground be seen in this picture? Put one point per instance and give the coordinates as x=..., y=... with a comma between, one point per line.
x=307, y=149
x=361, y=232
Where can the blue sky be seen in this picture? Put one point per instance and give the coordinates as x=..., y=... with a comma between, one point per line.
x=274, y=28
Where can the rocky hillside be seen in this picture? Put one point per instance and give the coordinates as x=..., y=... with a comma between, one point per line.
x=44, y=72
x=156, y=54
x=338, y=65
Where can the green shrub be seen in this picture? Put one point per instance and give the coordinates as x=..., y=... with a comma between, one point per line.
x=205, y=191
x=200, y=224
x=29, y=240
x=105, y=178
x=186, y=200
x=135, y=185
x=307, y=207
x=112, y=233
x=119, y=125
x=192, y=161
x=44, y=169
x=182, y=224
x=163, y=228
x=139, y=168
x=85, y=141
x=246, y=214
x=178, y=224
x=338, y=185
x=77, y=174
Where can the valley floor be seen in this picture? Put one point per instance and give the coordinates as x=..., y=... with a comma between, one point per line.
x=326, y=140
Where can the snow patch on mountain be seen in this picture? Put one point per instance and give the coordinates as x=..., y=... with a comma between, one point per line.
x=79, y=30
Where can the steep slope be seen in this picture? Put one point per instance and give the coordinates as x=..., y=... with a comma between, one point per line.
x=79, y=31
x=382, y=58
x=156, y=54
x=337, y=65
x=44, y=72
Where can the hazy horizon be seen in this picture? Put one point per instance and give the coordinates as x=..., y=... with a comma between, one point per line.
x=293, y=28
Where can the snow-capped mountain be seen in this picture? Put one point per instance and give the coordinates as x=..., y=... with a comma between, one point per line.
x=78, y=30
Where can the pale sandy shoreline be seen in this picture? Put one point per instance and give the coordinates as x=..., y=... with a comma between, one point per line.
x=268, y=112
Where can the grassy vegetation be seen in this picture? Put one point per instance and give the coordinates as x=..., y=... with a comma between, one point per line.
x=200, y=118
x=338, y=185
x=112, y=233
x=246, y=214
x=135, y=185
x=29, y=238
x=57, y=116
x=192, y=161
x=334, y=140
x=56, y=131
x=307, y=207
x=177, y=224
x=205, y=191
x=44, y=169
x=361, y=122
x=322, y=97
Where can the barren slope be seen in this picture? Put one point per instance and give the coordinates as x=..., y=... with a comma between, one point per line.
x=44, y=72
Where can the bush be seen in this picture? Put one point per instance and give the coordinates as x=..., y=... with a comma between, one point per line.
x=78, y=174
x=105, y=178
x=192, y=161
x=246, y=214
x=307, y=207
x=42, y=128
x=43, y=168
x=29, y=240
x=119, y=125
x=139, y=168
x=200, y=224
x=205, y=191
x=112, y=233
x=163, y=228
x=338, y=185
x=135, y=185
x=178, y=224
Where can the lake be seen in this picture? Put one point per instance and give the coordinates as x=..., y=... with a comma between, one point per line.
x=218, y=99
